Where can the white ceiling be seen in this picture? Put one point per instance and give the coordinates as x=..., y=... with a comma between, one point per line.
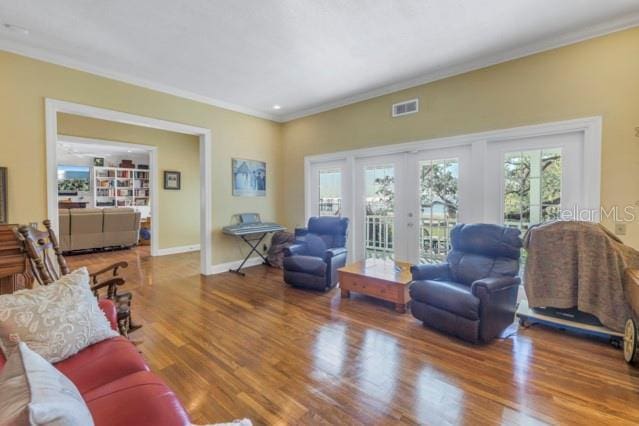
x=79, y=153
x=305, y=55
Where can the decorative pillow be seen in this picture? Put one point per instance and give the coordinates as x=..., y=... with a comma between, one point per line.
x=35, y=393
x=56, y=321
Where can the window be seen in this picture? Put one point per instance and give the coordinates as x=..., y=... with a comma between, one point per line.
x=330, y=192
x=439, y=206
x=403, y=200
x=379, y=187
x=532, y=187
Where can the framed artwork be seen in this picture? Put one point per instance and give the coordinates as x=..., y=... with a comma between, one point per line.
x=73, y=179
x=249, y=178
x=98, y=161
x=172, y=180
x=3, y=196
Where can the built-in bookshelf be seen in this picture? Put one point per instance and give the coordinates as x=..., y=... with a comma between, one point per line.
x=120, y=187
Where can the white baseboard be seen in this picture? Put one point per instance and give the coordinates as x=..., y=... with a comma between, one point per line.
x=176, y=250
x=225, y=267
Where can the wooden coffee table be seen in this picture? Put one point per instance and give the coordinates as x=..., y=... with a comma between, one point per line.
x=382, y=279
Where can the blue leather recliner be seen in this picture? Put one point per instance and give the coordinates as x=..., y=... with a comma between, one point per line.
x=319, y=250
x=473, y=295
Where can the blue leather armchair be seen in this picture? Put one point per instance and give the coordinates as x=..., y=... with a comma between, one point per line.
x=319, y=250
x=473, y=295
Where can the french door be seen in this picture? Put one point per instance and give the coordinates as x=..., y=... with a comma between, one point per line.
x=407, y=203
x=380, y=211
x=439, y=192
x=403, y=205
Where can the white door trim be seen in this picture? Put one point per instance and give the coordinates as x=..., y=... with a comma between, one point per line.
x=479, y=179
x=465, y=213
x=591, y=126
x=54, y=106
x=572, y=188
x=398, y=162
x=340, y=165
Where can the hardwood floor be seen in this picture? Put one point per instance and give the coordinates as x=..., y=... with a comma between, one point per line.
x=234, y=347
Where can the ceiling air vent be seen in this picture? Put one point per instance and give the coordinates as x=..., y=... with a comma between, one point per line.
x=405, y=108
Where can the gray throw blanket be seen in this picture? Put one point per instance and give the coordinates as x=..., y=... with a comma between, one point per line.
x=279, y=242
x=578, y=264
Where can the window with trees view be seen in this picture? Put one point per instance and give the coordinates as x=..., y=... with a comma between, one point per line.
x=532, y=187
x=439, y=204
x=380, y=211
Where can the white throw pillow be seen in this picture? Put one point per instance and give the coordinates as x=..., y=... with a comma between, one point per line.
x=56, y=321
x=35, y=393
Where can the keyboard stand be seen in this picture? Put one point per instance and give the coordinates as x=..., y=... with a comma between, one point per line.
x=254, y=249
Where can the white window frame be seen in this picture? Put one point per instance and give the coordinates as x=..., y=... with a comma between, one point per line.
x=398, y=162
x=572, y=157
x=480, y=175
x=463, y=156
x=314, y=187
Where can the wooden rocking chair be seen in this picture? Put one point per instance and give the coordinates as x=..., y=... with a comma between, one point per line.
x=38, y=246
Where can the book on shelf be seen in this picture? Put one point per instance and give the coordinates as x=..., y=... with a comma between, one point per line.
x=121, y=187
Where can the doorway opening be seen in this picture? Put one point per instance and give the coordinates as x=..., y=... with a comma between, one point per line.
x=55, y=107
x=102, y=180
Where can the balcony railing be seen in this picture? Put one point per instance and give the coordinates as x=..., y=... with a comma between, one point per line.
x=330, y=206
x=379, y=236
x=434, y=238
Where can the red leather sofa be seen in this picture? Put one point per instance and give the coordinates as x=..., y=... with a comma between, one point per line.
x=117, y=385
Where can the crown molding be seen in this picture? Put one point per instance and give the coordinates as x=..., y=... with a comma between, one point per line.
x=573, y=37
x=62, y=60
x=562, y=40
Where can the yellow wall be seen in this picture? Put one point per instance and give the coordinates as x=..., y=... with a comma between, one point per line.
x=24, y=85
x=179, y=210
x=595, y=77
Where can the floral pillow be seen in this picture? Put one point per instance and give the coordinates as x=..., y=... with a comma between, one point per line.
x=56, y=321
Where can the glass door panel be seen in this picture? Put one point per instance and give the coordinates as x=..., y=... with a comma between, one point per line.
x=533, y=180
x=439, y=197
x=328, y=189
x=329, y=201
x=408, y=203
x=532, y=187
x=439, y=207
x=379, y=223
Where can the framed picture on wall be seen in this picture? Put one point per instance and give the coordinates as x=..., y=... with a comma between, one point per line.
x=3, y=196
x=172, y=180
x=249, y=178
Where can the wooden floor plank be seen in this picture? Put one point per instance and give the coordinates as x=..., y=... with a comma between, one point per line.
x=234, y=347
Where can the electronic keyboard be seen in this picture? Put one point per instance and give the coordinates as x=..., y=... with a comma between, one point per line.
x=252, y=228
x=250, y=224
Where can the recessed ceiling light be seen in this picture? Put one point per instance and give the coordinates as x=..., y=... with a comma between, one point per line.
x=16, y=29
x=276, y=107
x=128, y=150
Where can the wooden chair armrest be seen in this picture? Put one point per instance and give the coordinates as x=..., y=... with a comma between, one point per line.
x=111, y=284
x=114, y=268
x=126, y=297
